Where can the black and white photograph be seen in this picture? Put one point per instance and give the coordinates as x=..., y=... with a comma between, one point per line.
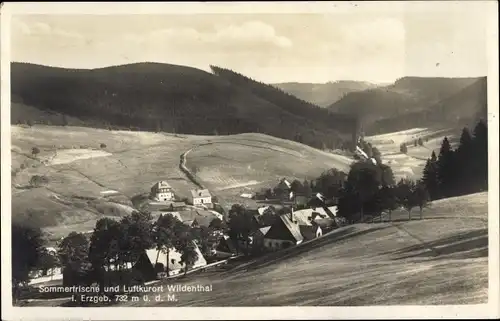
x=250, y=156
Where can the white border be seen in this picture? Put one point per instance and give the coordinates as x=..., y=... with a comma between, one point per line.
x=490, y=310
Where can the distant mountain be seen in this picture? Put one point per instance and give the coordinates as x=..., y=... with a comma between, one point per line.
x=324, y=94
x=463, y=109
x=170, y=98
x=415, y=102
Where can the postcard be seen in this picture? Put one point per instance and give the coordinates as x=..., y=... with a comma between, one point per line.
x=247, y=160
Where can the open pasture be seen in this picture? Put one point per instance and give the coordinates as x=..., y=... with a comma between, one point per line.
x=129, y=163
x=438, y=260
x=412, y=163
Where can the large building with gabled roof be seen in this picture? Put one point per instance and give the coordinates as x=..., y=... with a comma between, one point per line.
x=162, y=192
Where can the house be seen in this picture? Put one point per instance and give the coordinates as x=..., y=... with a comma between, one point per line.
x=162, y=192
x=156, y=214
x=261, y=210
x=283, y=190
x=285, y=232
x=193, y=217
x=201, y=197
x=158, y=260
x=324, y=217
x=224, y=248
x=248, y=195
x=307, y=225
x=299, y=198
x=294, y=227
x=197, y=217
x=50, y=273
x=320, y=200
x=258, y=237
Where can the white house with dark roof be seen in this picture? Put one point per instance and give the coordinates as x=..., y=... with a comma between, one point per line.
x=162, y=192
x=200, y=197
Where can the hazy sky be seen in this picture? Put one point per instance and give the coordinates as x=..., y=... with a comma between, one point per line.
x=357, y=44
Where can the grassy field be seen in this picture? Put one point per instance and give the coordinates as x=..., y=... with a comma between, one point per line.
x=248, y=162
x=412, y=163
x=80, y=169
x=442, y=259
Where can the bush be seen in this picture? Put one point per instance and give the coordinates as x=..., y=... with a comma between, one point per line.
x=37, y=180
x=35, y=151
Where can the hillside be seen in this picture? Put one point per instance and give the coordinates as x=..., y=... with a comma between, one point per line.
x=169, y=98
x=325, y=94
x=416, y=102
x=439, y=260
x=412, y=163
x=87, y=181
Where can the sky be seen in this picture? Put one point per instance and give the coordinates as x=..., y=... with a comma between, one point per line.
x=362, y=44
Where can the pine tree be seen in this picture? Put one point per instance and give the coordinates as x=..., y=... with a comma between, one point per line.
x=430, y=178
x=480, y=152
x=464, y=158
x=445, y=169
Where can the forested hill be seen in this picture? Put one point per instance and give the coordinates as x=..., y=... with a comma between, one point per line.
x=463, y=109
x=416, y=102
x=170, y=98
x=321, y=117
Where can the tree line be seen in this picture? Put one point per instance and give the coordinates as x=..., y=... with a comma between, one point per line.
x=460, y=171
x=371, y=188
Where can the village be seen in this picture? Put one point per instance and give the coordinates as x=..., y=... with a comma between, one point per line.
x=295, y=216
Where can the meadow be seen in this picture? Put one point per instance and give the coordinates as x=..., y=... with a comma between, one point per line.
x=82, y=165
x=412, y=163
x=441, y=259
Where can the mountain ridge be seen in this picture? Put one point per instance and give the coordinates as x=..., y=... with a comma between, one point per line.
x=172, y=98
x=424, y=100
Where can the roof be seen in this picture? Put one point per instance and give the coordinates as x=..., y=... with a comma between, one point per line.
x=188, y=216
x=287, y=183
x=321, y=197
x=264, y=230
x=290, y=226
x=200, y=193
x=332, y=210
x=202, y=217
x=293, y=228
x=161, y=184
x=156, y=214
x=302, y=217
x=51, y=249
x=306, y=216
x=262, y=209
x=174, y=258
x=226, y=245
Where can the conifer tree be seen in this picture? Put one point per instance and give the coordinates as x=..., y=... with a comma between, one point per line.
x=430, y=178
x=445, y=169
x=480, y=152
x=464, y=158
